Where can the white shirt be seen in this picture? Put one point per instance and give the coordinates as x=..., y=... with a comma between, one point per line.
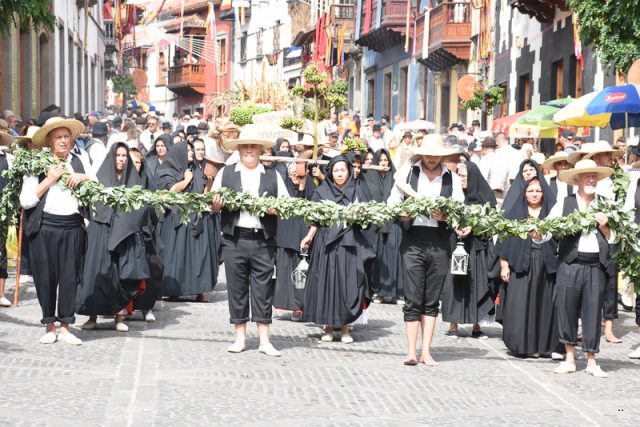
x=250, y=184
x=428, y=189
x=604, y=188
x=495, y=170
x=147, y=138
x=588, y=242
x=511, y=159
x=4, y=152
x=376, y=143
x=97, y=153
x=563, y=188
x=59, y=199
x=630, y=201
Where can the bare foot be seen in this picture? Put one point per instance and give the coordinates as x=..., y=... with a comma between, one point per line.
x=410, y=360
x=428, y=360
x=611, y=338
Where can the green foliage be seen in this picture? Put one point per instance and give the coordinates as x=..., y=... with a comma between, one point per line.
x=611, y=27
x=291, y=123
x=354, y=144
x=124, y=84
x=244, y=115
x=26, y=13
x=483, y=94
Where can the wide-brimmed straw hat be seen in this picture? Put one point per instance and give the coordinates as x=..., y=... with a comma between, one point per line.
x=29, y=136
x=603, y=147
x=433, y=145
x=250, y=134
x=560, y=156
x=75, y=127
x=584, y=166
x=5, y=139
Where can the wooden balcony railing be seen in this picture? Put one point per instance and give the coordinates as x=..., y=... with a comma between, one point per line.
x=344, y=15
x=186, y=75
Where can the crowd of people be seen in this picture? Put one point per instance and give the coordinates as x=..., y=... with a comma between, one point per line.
x=550, y=295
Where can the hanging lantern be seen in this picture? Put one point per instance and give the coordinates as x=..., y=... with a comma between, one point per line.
x=459, y=260
x=299, y=275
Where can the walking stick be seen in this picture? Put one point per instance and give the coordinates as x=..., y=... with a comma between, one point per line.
x=16, y=292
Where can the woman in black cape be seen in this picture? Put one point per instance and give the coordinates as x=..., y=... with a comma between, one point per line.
x=115, y=262
x=528, y=268
x=528, y=169
x=387, y=278
x=337, y=284
x=189, y=256
x=158, y=154
x=468, y=299
x=289, y=234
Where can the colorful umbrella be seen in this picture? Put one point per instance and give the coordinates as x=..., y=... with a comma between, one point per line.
x=146, y=107
x=617, y=106
x=542, y=115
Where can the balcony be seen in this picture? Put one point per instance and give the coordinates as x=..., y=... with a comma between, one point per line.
x=110, y=41
x=542, y=10
x=343, y=16
x=392, y=29
x=187, y=79
x=449, y=35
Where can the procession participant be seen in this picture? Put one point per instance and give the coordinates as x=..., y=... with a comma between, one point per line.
x=582, y=270
x=387, y=279
x=529, y=269
x=468, y=299
x=151, y=133
x=403, y=153
x=632, y=201
x=5, y=164
x=426, y=246
x=282, y=145
x=337, y=282
x=97, y=145
x=528, y=169
x=289, y=234
x=494, y=169
x=54, y=226
x=115, y=262
x=248, y=240
x=558, y=162
x=157, y=155
x=190, y=260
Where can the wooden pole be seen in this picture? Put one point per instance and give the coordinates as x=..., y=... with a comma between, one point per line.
x=16, y=292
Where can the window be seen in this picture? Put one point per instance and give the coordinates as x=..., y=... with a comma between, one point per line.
x=575, y=77
x=259, y=42
x=162, y=69
x=243, y=47
x=524, y=93
x=276, y=37
x=386, y=100
x=371, y=95
x=557, y=79
x=504, y=106
x=221, y=55
x=403, y=95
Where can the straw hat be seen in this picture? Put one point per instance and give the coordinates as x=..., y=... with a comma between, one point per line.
x=433, y=145
x=579, y=154
x=5, y=139
x=560, y=156
x=584, y=166
x=29, y=136
x=250, y=134
x=230, y=127
x=76, y=127
x=603, y=147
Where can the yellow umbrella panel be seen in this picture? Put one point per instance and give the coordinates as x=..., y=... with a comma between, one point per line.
x=575, y=114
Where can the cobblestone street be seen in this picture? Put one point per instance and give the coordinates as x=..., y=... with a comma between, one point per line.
x=177, y=372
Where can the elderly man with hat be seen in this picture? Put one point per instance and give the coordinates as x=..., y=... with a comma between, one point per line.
x=558, y=162
x=426, y=247
x=5, y=164
x=584, y=259
x=249, y=240
x=54, y=226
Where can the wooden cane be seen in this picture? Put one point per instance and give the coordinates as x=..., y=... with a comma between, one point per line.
x=318, y=162
x=16, y=292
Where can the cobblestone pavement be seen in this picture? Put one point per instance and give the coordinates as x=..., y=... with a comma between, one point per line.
x=177, y=372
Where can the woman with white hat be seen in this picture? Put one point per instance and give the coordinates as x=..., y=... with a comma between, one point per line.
x=582, y=270
x=54, y=226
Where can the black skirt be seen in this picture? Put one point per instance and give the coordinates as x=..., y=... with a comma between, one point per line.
x=146, y=300
x=337, y=283
x=529, y=321
x=110, y=280
x=190, y=261
x=468, y=299
x=286, y=296
x=387, y=279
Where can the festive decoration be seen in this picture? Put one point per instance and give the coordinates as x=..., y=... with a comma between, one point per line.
x=244, y=115
x=483, y=94
x=484, y=220
x=354, y=144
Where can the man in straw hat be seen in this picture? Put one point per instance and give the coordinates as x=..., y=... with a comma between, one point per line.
x=582, y=271
x=426, y=247
x=558, y=162
x=5, y=164
x=54, y=226
x=249, y=240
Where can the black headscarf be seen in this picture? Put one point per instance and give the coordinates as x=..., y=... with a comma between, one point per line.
x=279, y=142
x=518, y=251
x=381, y=184
x=362, y=183
x=519, y=184
x=123, y=224
x=153, y=162
x=478, y=191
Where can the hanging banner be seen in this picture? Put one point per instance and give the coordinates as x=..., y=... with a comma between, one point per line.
x=425, y=35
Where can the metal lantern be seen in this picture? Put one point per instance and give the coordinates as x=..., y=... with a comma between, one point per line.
x=299, y=275
x=459, y=260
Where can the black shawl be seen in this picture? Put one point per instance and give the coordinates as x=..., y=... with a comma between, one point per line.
x=380, y=184
x=123, y=224
x=153, y=163
x=518, y=251
x=478, y=191
x=519, y=184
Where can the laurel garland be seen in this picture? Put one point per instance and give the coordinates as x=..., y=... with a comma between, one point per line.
x=484, y=220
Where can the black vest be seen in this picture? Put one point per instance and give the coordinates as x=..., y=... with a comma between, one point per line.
x=568, y=246
x=553, y=183
x=268, y=188
x=4, y=165
x=33, y=216
x=445, y=191
x=636, y=201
